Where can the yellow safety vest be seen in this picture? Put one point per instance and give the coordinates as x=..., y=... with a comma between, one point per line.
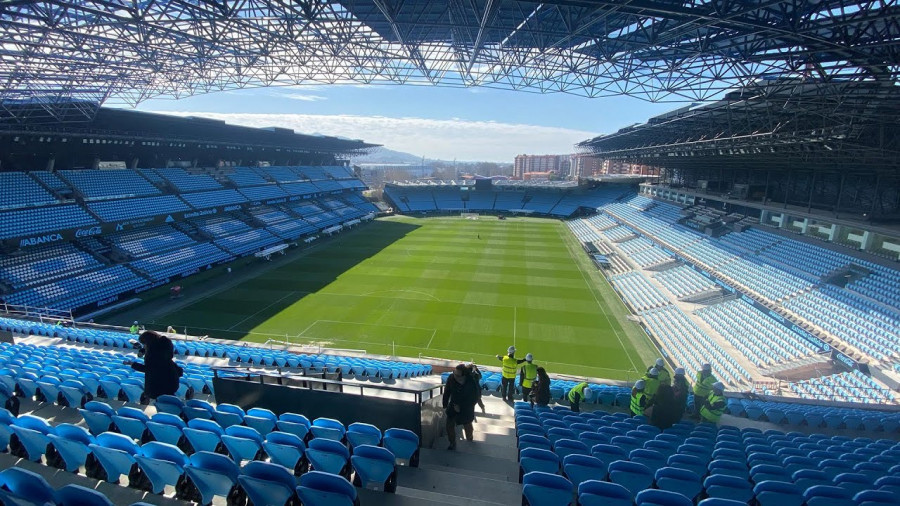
x=510, y=364
x=703, y=385
x=577, y=389
x=134, y=329
x=636, y=399
x=664, y=376
x=530, y=374
x=651, y=385
x=710, y=414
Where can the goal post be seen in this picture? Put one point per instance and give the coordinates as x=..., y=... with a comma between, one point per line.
x=469, y=216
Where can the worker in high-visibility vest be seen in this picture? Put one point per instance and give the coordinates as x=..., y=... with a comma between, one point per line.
x=651, y=383
x=527, y=375
x=510, y=366
x=134, y=328
x=715, y=404
x=578, y=393
x=638, y=398
x=703, y=387
x=664, y=376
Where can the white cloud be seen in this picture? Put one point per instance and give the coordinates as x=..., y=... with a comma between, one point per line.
x=304, y=97
x=433, y=138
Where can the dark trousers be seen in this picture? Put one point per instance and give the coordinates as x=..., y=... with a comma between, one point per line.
x=508, y=388
x=526, y=391
x=576, y=404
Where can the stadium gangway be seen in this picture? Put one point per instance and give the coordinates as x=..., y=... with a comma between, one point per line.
x=268, y=252
x=406, y=404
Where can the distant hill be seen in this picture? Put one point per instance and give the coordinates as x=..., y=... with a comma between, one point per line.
x=384, y=155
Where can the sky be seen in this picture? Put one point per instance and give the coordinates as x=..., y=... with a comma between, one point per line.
x=465, y=124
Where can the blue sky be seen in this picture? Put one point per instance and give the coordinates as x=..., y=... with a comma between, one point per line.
x=473, y=124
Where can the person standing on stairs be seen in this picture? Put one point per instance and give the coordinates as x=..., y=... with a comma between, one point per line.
x=527, y=375
x=460, y=397
x=510, y=366
x=475, y=372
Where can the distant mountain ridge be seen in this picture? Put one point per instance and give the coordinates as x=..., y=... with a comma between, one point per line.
x=384, y=155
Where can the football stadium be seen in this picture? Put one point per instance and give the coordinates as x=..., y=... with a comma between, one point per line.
x=200, y=312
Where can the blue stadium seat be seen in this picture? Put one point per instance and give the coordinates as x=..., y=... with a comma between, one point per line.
x=631, y=475
x=30, y=437
x=162, y=464
x=166, y=428
x=130, y=421
x=76, y=495
x=728, y=487
x=536, y=459
x=853, y=482
x=112, y=455
x=203, y=435
x=404, y=444
x=545, y=489
x=323, y=489
x=195, y=408
x=294, y=423
x=288, y=450
x=682, y=481
x=328, y=428
x=566, y=447
x=375, y=468
x=227, y=415
x=263, y=420
x=363, y=434
x=534, y=441
x=778, y=493
x=874, y=498
x=210, y=475
x=650, y=458
x=651, y=497
x=824, y=495
x=69, y=447
x=328, y=455
x=579, y=468
x=602, y=493
x=807, y=478
x=690, y=462
x=27, y=485
x=242, y=443
x=169, y=404
x=267, y=483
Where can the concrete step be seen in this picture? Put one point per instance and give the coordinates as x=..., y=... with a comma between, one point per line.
x=58, y=478
x=462, y=462
x=468, y=489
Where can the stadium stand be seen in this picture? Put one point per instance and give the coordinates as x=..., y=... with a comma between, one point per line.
x=263, y=192
x=245, y=177
x=127, y=209
x=45, y=264
x=682, y=281
x=19, y=190
x=182, y=260
x=247, y=242
x=149, y=241
x=216, y=198
x=185, y=182
x=109, y=183
x=72, y=292
x=39, y=220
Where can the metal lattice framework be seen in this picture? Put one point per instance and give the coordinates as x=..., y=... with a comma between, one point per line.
x=124, y=51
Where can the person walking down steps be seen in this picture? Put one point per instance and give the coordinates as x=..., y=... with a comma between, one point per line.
x=460, y=397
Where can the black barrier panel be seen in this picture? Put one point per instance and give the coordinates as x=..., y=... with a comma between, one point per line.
x=415, y=411
x=6, y=337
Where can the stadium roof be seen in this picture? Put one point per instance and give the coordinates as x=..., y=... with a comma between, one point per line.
x=120, y=51
x=773, y=124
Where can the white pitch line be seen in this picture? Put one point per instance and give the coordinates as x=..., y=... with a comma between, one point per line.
x=261, y=310
x=432, y=339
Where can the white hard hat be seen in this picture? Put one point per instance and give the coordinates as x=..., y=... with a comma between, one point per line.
x=511, y=350
x=639, y=384
x=529, y=357
x=679, y=371
x=135, y=322
x=718, y=386
x=706, y=368
x=659, y=362
x=653, y=371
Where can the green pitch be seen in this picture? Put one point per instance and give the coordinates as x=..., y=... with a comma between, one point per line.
x=438, y=287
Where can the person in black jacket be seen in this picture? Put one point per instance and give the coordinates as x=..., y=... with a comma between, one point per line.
x=540, y=392
x=161, y=374
x=665, y=411
x=460, y=397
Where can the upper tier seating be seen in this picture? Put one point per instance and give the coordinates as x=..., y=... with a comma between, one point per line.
x=247, y=242
x=852, y=386
x=760, y=338
x=181, y=260
x=292, y=229
x=335, y=172
x=222, y=226
x=263, y=192
x=72, y=292
x=328, y=185
x=149, y=241
x=245, y=176
x=45, y=264
x=19, y=190
x=127, y=209
x=216, y=198
x=638, y=292
x=185, y=182
x=108, y=183
x=41, y=220
x=683, y=281
x=50, y=180
x=299, y=188
x=281, y=174
x=583, y=232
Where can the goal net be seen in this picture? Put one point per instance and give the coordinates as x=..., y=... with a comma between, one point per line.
x=469, y=216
